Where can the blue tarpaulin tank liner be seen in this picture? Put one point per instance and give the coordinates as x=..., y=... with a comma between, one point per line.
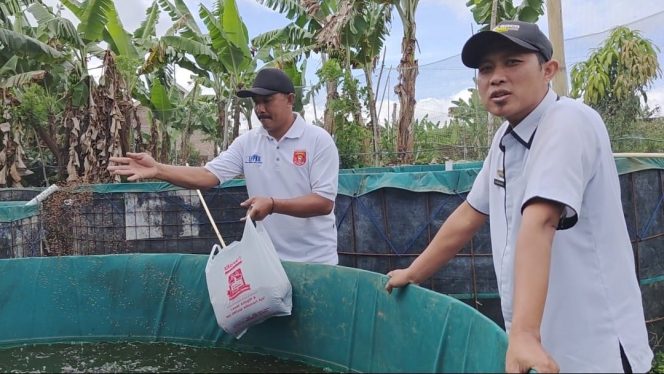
x=342, y=318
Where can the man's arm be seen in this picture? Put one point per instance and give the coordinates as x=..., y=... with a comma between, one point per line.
x=310, y=205
x=138, y=166
x=531, y=281
x=457, y=230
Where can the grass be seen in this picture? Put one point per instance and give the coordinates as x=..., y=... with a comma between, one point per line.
x=658, y=363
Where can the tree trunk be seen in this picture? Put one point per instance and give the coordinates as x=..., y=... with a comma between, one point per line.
x=494, y=14
x=491, y=119
x=352, y=85
x=53, y=147
x=374, y=116
x=186, y=143
x=165, y=145
x=554, y=15
x=236, y=119
x=328, y=117
x=221, y=120
x=405, y=89
x=155, y=137
x=138, y=145
x=49, y=139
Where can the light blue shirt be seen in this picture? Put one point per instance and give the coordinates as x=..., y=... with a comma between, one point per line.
x=561, y=152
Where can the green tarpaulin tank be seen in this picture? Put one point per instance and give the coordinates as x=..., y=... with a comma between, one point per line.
x=385, y=217
x=342, y=318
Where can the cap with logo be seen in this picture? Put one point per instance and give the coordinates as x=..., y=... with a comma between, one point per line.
x=524, y=34
x=269, y=81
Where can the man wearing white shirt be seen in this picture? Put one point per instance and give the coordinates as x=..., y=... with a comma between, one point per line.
x=562, y=255
x=291, y=170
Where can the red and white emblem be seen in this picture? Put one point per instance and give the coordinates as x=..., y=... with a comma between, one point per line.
x=236, y=284
x=299, y=157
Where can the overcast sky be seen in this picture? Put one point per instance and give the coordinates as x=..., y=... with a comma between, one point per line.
x=442, y=28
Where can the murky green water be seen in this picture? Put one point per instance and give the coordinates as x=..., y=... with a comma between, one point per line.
x=141, y=357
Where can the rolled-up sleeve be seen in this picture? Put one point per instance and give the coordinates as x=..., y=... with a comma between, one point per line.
x=324, y=172
x=478, y=197
x=562, y=159
x=229, y=163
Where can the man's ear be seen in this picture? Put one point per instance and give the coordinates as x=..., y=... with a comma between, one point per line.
x=291, y=99
x=550, y=69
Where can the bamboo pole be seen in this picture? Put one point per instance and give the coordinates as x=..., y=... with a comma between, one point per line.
x=214, y=225
x=554, y=14
x=209, y=215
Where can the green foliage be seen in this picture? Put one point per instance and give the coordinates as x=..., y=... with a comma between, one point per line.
x=55, y=26
x=623, y=67
x=428, y=138
x=128, y=67
x=160, y=101
x=643, y=136
x=529, y=11
x=183, y=18
x=36, y=105
x=147, y=29
x=28, y=47
x=658, y=363
x=614, y=79
x=330, y=71
x=100, y=21
x=228, y=35
x=436, y=142
x=352, y=139
x=470, y=120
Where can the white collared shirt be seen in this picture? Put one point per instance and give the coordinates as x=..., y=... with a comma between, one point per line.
x=561, y=152
x=304, y=161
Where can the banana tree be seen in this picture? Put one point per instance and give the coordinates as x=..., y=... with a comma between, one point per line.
x=351, y=32
x=221, y=58
x=12, y=153
x=230, y=42
x=299, y=38
x=408, y=71
x=471, y=118
x=99, y=21
x=41, y=54
x=484, y=11
x=367, y=38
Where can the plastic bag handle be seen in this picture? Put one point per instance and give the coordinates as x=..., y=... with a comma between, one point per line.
x=212, y=252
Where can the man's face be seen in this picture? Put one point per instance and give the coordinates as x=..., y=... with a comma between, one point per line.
x=275, y=111
x=512, y=82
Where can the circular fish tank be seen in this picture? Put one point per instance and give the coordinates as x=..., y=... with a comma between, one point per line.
x=342, y=319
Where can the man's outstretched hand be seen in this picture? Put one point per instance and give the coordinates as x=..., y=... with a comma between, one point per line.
x=135, y=166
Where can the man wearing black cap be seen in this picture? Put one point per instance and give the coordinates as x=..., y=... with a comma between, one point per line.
x=562, y=254
x=291, y=170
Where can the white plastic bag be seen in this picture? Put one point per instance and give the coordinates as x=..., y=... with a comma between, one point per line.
x=246, y=281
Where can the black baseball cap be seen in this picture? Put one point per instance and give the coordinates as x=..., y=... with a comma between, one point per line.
x=524, y=34
x=269, y=81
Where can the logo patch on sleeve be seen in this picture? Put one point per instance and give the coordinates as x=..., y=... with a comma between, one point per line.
x=299, y=157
